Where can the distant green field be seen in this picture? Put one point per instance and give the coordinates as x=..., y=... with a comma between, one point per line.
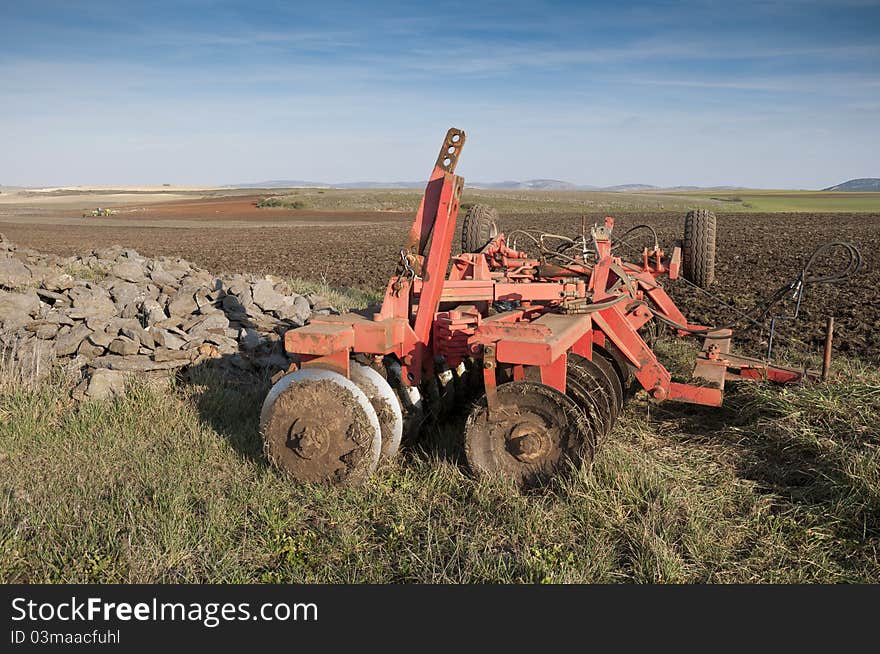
x=581, y=201
x=772, y=201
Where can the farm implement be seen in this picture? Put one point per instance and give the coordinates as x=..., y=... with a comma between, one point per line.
x=99, y=213
x=551, y=343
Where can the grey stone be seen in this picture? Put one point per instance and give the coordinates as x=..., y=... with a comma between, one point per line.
x=211, y=322
x=16, y=309
x=266, y=297
x=124, y=346
x=124, y=293
x=97, y=323
x=164, y=354
x=137, y=333
x=172, y=324
x=90, y=350
x=154, y=311
x=295, y=310
x=14, y=274
x=164, y=338
x=101, y=339
x=105, y=384
x=176, y=269
x=183, y=302
x=136, y=363
x=59, y=282
x=67, y=344
x=57, y=299
x=93, y=305
x=163, y=278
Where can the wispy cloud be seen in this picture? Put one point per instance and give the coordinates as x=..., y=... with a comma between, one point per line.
x=608, y=92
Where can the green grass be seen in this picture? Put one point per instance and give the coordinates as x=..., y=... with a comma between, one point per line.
x=88, y=273
x=341, y=298
x=544, y=202
x=538, y=202
x=787, y=201
x=780, y=485
x=285, y=202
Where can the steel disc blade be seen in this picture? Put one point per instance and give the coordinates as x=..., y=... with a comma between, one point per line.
x=318, y=426
x=609, y=367
x=588, y=387
x=591, y=395
x=599, y=369
x=386, y=404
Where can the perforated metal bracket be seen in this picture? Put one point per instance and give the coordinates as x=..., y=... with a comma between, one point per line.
x=448, y=157
x=490, y=381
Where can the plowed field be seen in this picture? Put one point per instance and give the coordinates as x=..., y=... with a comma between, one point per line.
x=756, y=252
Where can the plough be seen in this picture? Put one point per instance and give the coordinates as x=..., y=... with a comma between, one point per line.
x=552, y=344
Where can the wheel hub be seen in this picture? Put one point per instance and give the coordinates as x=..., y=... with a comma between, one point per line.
x=308, y=440
x=528, y=444
x=532, y=435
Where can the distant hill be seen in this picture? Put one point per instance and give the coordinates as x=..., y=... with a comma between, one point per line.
x=507, y=185
x=865, y=184
x=298, y=183
x=532, y=185
x=279, y=183
x=626, y=188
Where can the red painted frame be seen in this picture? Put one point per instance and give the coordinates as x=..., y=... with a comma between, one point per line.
x=561, y=309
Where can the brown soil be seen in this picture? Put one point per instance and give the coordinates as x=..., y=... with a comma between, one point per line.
x=245, y=209
x=756, y=253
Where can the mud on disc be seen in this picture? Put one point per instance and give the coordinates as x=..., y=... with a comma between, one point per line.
x=319, y=427
x=386, y=404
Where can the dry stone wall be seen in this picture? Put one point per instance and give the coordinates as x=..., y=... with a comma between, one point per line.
x=113, y=313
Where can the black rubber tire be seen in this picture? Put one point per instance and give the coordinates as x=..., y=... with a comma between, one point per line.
x=698, y=248
x=479, y=227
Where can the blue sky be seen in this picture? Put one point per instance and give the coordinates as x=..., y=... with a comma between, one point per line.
x=765, y=94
